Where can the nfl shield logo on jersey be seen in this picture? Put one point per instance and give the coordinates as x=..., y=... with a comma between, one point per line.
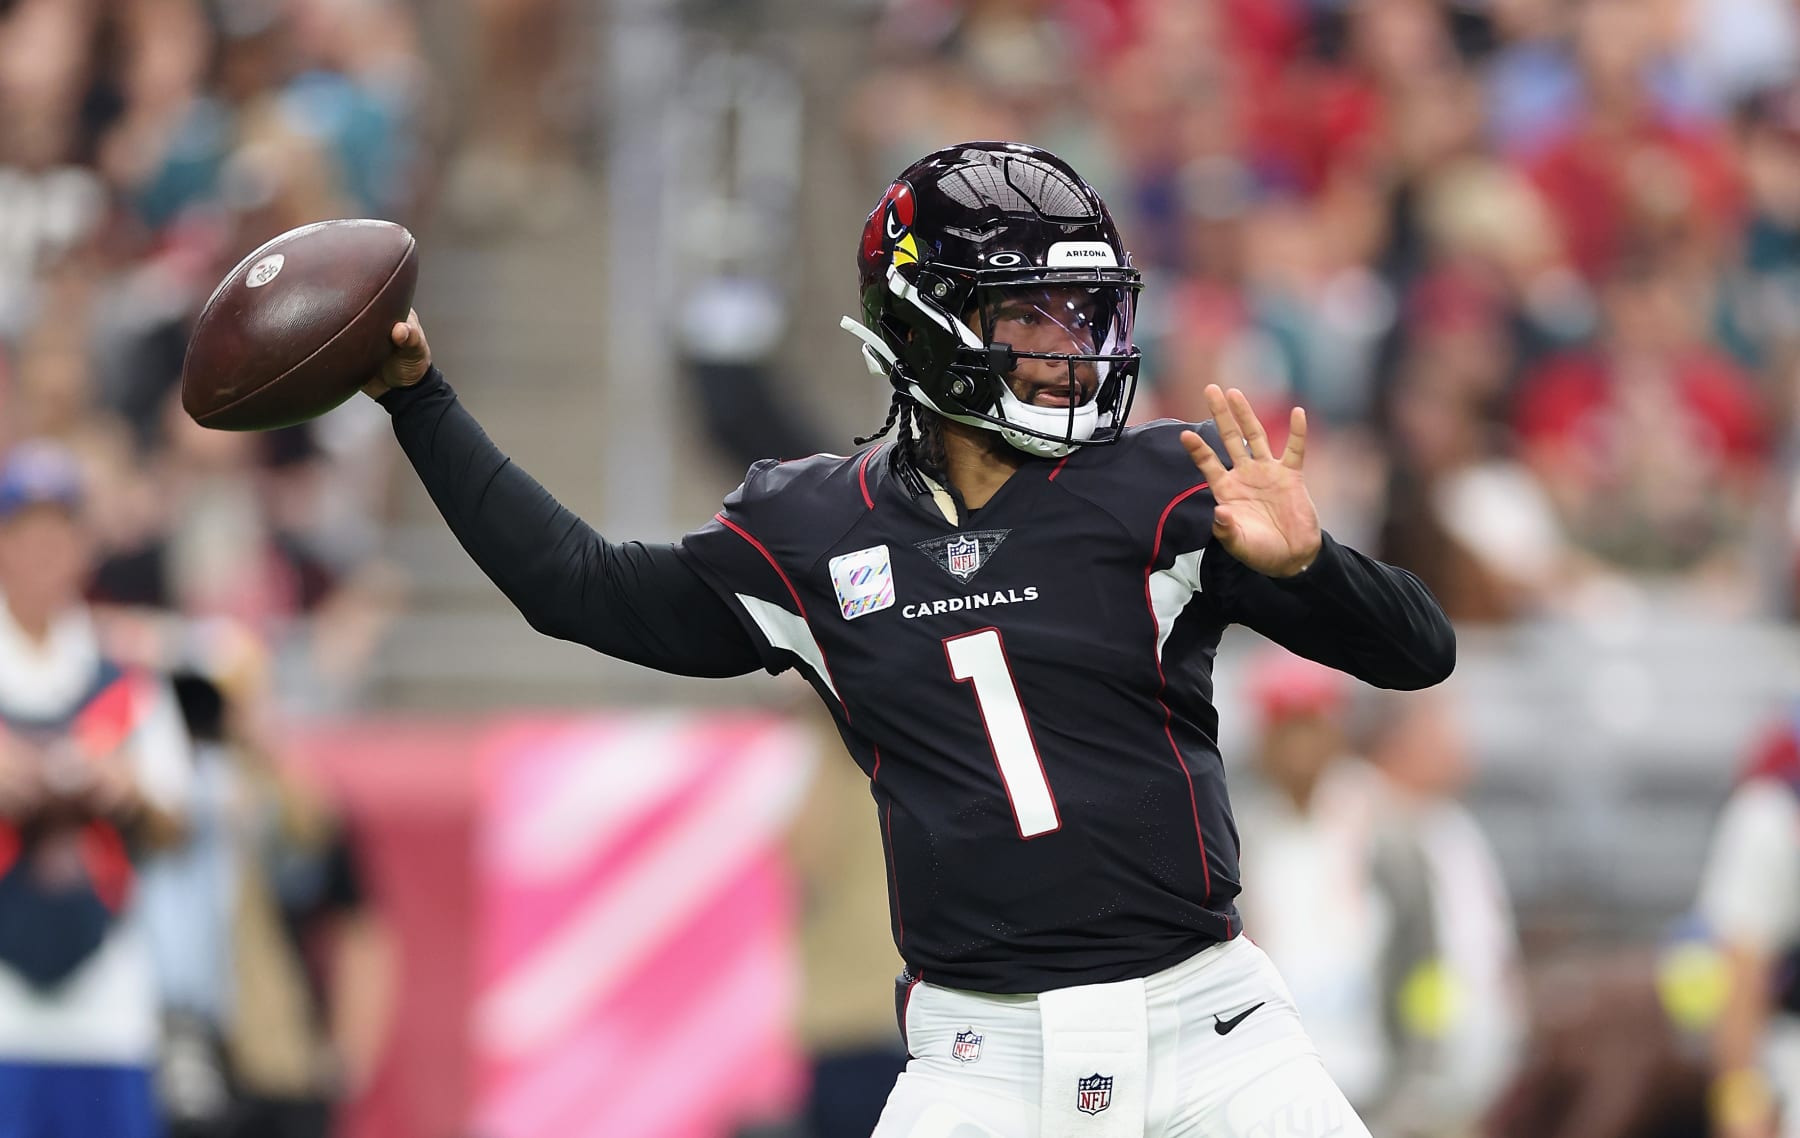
x=1093, y=1094
x=963, y=557
x=967, y=1047
x=864, y=581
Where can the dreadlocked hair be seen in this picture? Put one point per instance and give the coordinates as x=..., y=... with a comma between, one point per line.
x=916, y=447
x=893, y=416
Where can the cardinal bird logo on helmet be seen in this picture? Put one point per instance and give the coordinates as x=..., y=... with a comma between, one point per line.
x=889, y=229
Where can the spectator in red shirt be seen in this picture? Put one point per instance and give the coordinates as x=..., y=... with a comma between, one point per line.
x=1651, y=441
x=1626, y=169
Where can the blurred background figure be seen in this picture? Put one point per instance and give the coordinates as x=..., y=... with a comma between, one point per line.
x=1306, y=813
x=94, y=776
x=1456, y=994
x=277, y=976
x=1746, y=900
x=1602, y=1057
x=1380, y=896
x=526, y=112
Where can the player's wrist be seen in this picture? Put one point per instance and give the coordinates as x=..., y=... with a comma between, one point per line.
x=397, y=399
x=1299, y=567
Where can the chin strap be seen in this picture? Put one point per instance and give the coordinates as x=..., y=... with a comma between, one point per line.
x=881, y=361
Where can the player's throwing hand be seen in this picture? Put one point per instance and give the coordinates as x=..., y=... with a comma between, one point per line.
x=1263, y=514
x=409, y=363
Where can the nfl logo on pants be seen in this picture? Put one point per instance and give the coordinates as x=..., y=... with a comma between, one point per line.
x=967, y=1047
x=1093, y=1093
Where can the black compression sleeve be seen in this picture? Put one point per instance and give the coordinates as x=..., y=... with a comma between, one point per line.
x=636, y=602
x=1348, y=611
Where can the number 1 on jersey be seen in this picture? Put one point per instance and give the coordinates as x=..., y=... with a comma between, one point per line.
x=980, y=658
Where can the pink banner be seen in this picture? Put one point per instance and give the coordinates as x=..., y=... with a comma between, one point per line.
x=596, y=929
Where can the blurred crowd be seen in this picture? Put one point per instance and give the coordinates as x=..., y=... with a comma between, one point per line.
x=185, y=943
x=1529, y=264
x=146, y=146
x=189, y=947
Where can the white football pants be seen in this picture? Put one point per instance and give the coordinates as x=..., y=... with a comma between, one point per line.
x=988, y=1066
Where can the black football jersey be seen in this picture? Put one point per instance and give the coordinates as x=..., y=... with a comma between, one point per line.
x=1029, y=690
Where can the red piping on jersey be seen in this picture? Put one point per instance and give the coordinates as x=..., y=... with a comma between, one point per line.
x=795, y=594
x=1058, y=470
x=862, y=477
x=887, y=825
x=1163, y=680
x=758, y=546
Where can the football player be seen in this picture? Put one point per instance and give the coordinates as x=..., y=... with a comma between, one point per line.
x=1011, y=611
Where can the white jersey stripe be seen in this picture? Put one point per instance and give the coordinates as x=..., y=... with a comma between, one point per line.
x=789, y=633
x=1170, y=591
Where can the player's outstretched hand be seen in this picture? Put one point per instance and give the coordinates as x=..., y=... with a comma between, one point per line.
x=1263, y=514
x=409, y=363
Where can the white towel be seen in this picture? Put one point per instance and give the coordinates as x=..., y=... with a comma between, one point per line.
x=1096, y=1061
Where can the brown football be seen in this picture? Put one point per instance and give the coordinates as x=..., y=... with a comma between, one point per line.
x=300, y=325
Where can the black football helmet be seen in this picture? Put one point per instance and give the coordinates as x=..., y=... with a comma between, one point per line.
x=994, y=261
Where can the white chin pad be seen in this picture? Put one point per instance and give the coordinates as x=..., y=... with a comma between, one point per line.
x=1056, y=421
x=1045, y=420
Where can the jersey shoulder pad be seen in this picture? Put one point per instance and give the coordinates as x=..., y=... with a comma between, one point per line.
x=1158, y=443
x=1144, y=475
x=798, y=502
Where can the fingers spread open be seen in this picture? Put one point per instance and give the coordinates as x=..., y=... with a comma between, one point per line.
x=1229, y=430
x=1256, y=441
x=1203, y=456
x=1296, y=440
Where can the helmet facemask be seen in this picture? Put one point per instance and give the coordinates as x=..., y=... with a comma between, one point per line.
x=1044, y=358
x=1057, y=365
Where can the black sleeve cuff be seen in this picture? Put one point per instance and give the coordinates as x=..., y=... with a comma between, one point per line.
x=400, y=399
x=1327, y=565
